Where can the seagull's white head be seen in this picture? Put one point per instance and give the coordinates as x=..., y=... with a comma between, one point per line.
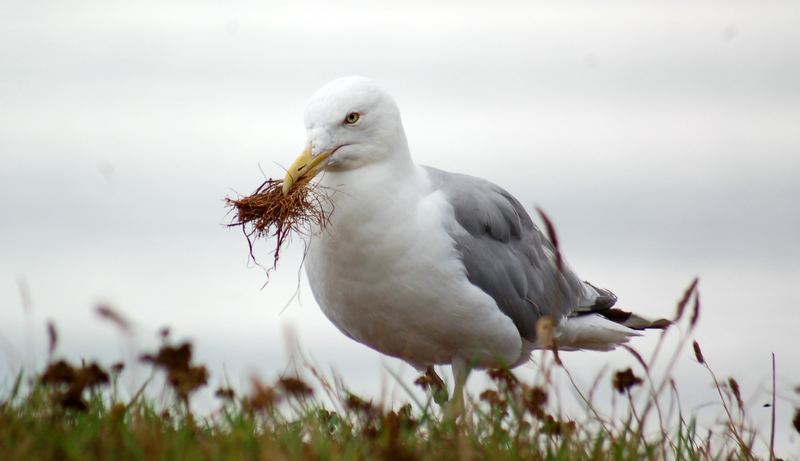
x=351, y=122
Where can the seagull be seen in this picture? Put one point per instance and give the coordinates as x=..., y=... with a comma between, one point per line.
x=432, y=267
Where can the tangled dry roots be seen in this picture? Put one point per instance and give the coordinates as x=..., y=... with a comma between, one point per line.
x=268, y=213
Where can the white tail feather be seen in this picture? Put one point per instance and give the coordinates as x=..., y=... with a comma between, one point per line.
x=593, y=332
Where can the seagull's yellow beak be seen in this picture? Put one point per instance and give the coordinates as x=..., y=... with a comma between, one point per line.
x=305, y=165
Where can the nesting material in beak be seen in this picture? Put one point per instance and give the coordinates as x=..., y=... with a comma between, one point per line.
x=305, y=166
x=274, y=210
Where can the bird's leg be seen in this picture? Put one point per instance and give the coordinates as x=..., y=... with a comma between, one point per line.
x=455, y=407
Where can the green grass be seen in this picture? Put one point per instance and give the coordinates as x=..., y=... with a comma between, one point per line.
x=71, y=412
x=511, y=426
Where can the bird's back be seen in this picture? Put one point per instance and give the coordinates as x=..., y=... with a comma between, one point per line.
x=507, y=256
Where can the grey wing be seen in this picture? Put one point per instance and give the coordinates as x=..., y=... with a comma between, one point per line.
x=509, y=258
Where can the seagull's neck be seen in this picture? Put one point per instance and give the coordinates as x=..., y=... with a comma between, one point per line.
x=376, y=189
x=369, y=207
x=391, y=166
x=384, y=177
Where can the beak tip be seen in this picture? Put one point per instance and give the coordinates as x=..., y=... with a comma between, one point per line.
x=303, y=166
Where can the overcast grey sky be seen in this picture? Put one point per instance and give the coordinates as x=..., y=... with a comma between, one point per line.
x=661, y=137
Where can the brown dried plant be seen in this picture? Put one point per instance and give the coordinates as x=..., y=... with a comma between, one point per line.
x=72, y=382
x=504, y=378
x=262, y=399
x=69, y=382
x=534, y=400
x=434, y=384
x=624, y=380
x=295, y=387
x=360, y=406
x=225, y=393
x=182, y=376
x=267, y=212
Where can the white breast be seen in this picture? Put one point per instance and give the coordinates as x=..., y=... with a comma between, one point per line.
x=386, y=273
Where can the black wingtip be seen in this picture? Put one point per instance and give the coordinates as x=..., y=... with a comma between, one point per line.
x=632, y=320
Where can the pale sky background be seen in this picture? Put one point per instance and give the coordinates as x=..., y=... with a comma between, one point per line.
x=663, y=138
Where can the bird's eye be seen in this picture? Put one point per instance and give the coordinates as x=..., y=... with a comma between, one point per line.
x=352, y=118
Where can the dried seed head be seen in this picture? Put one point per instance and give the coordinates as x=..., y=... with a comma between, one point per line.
x=796, y=420
x=71, y=400
x=504, y=378
x=295, y=387
x=262, y=398
x=92, y=376
x=394, y=421
x=554, y=427
x=70, y=382
x=52, y=337
x=405, y=411
x=357, y=404
x=432, y=383
x=107, y=312
x=735, y=390
x=496, y=401
x=59, y=372
x=551, y=234
x=185, y=381
x=698, y=353
x=685, y=299
x=181, y=375
x=624, y=380
x=489, y=396
x=545, y=336
x=695, y=309
x=170, y=357
x=225, y=393
x=534, y=401
x=545, y=328
x=117, y=367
